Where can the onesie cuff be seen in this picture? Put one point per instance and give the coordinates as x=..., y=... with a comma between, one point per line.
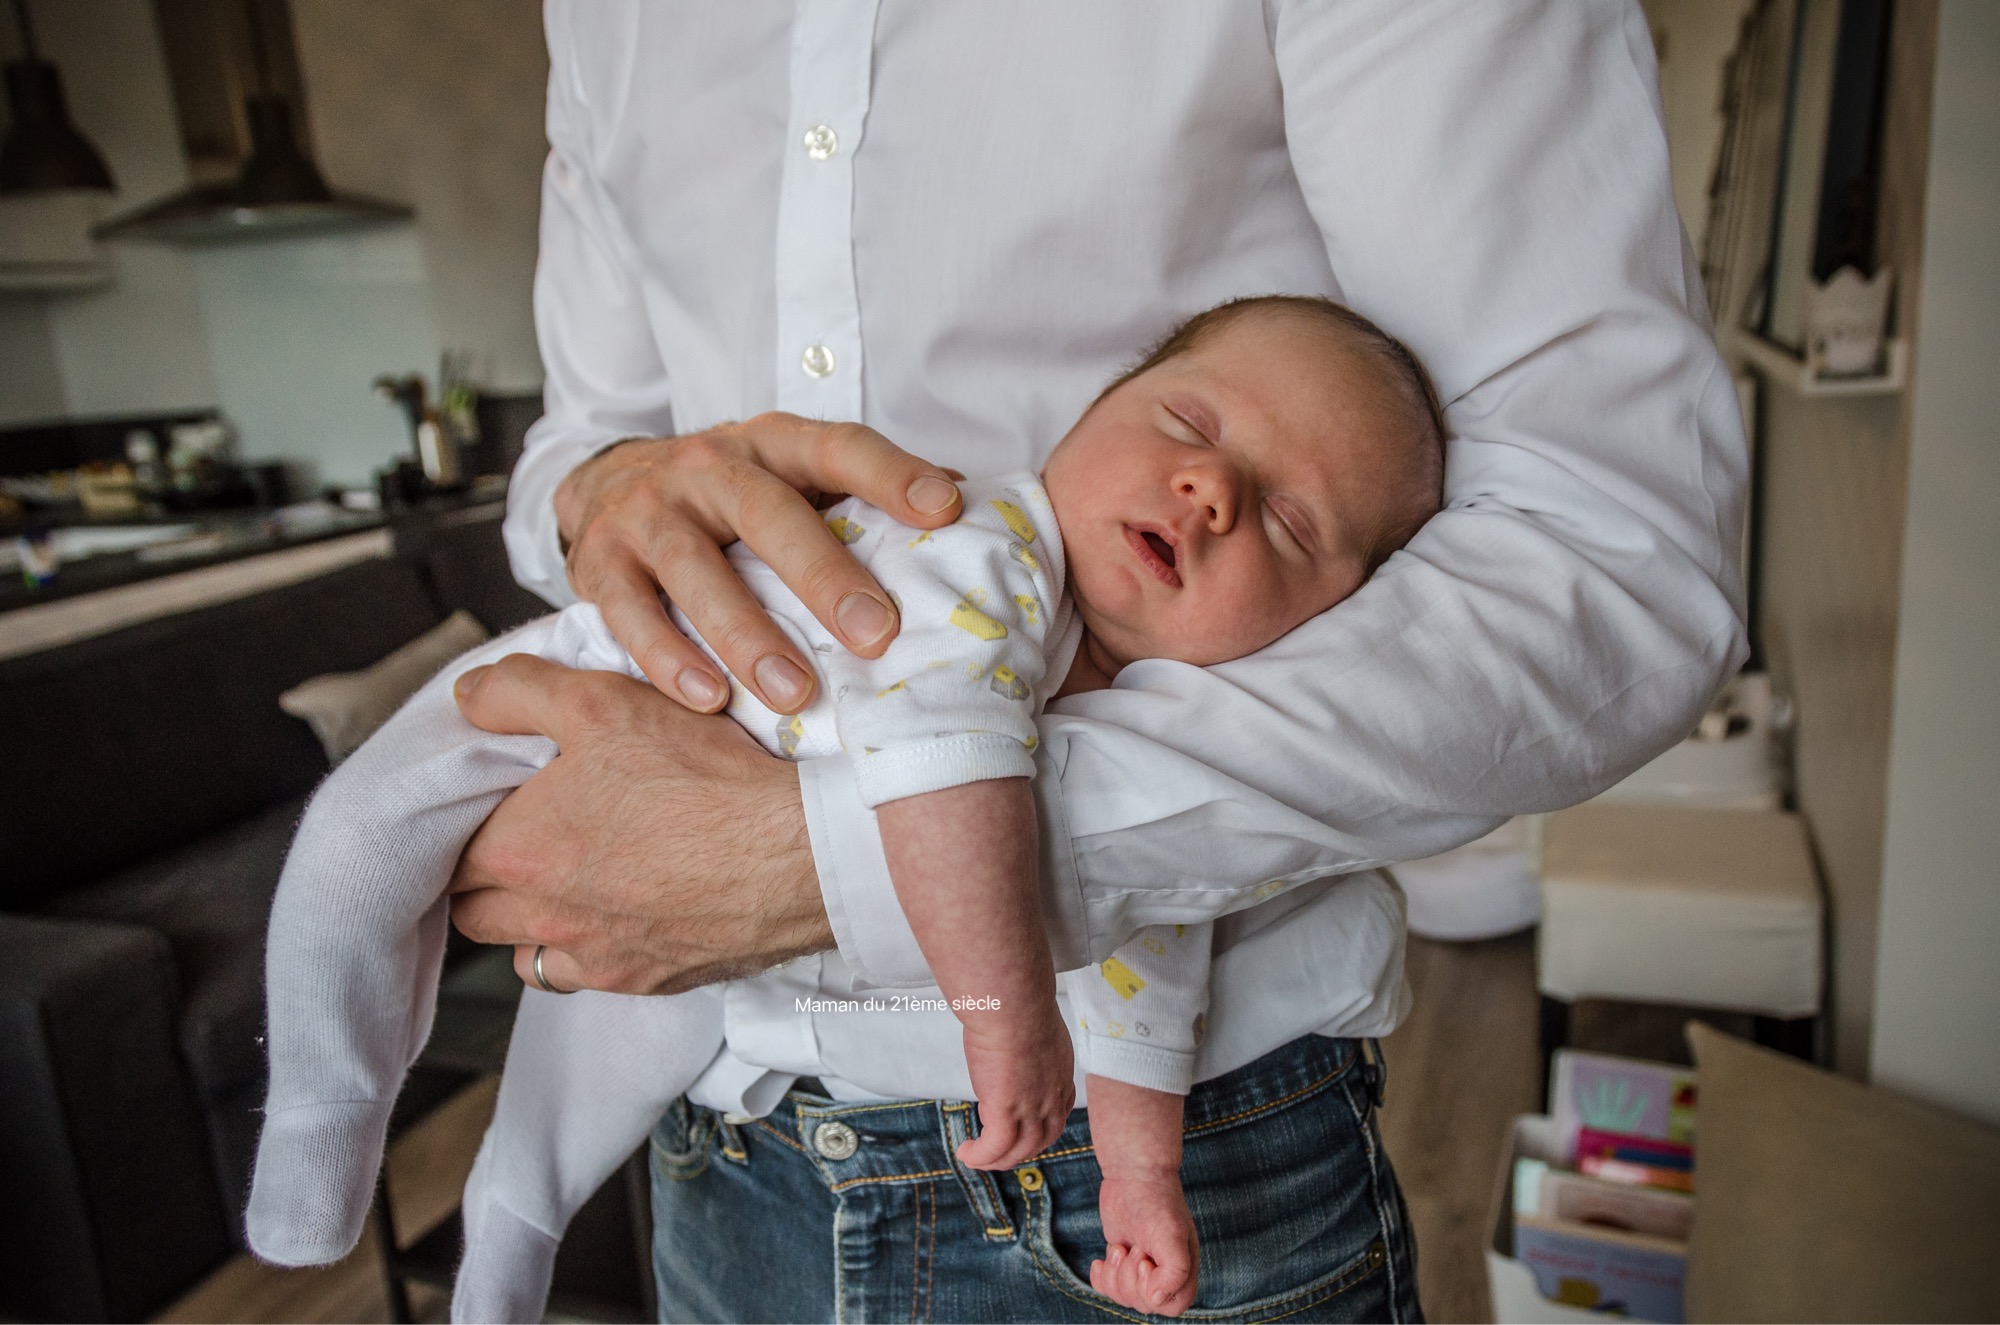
x=868, y=925
x=881, y=776
x=1138, y=1064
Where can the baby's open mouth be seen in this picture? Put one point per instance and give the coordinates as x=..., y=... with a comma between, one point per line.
x=1156, y=553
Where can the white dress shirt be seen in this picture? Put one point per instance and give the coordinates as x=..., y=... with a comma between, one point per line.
x=955, y=222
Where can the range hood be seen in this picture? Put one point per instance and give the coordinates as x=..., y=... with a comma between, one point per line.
x=241, y=106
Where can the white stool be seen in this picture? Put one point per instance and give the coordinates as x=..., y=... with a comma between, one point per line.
x=1693, y=907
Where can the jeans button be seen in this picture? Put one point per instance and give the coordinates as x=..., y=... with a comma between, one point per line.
x=835, y=1140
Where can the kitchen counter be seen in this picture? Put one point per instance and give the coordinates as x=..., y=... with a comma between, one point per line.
x=194, y=562
x=148, y=549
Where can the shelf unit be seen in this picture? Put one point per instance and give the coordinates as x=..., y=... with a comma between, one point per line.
x=1786, y=369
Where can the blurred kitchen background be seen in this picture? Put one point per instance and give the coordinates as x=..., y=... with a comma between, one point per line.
x=277, y=325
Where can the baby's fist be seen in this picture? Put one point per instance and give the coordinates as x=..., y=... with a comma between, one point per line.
x=1151, y=1254
x=1026, y=1088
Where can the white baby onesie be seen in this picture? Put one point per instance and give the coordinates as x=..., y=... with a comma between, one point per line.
x=358, y=925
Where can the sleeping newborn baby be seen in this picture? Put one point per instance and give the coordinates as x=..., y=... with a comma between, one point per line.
x=1250, y=473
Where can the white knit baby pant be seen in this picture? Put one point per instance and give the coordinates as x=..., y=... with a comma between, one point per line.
x=356, y=942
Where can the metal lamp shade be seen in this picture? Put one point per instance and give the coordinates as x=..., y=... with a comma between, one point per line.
x=43, y=149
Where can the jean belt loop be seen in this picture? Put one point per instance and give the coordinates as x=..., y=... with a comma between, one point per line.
x=730, y=1131
x=1374, y=1071
x=981, y=1191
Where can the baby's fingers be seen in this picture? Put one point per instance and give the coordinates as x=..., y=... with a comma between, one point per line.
x=994, y=1147
x=1119, y=1276
x=1165, y=1290
x=1104, y=1272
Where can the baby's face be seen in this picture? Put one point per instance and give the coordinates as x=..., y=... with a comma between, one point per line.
x=1220, y=499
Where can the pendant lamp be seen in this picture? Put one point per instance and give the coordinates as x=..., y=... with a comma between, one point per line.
x=43, y=149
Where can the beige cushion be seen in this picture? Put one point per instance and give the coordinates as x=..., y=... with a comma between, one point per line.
x=1818, y=1198
x=344, y=708
x=1699, y=908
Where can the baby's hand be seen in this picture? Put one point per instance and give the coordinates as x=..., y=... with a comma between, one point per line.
x=1023, y=1072
x=1151, y=1254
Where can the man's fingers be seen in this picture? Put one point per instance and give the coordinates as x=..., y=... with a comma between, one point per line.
x=522, y=695
x=850, y=457
x=701, y=580
x=795, y=541
x=637, y=619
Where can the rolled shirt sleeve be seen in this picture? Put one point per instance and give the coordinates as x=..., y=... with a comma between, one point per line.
x=1491, y=183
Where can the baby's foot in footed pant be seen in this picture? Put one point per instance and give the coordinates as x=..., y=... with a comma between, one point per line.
x=1024, y=1075
x=1151, y=1256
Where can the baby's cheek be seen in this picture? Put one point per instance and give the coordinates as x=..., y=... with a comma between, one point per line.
x=1258, y=600
x=1228, y=626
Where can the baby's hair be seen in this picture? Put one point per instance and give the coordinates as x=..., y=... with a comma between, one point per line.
x=1406, y=374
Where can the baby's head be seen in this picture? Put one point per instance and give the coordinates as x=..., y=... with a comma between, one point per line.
x=1248, y=474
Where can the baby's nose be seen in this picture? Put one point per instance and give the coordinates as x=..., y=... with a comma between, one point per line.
x=1212, y=493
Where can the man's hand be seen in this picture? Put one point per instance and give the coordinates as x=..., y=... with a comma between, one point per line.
x=659, y=851
x=654, y=514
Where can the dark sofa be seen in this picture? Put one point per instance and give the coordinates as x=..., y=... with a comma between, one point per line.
x=148, y=790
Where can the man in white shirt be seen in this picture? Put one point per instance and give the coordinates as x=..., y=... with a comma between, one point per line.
x=953, y=224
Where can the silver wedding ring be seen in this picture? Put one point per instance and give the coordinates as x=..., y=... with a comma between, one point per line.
x=542, y=978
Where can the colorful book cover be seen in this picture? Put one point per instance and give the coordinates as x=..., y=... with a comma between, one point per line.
x=1600, y=1269
x=1637, y=1175
x=1577, y=1198
x=1626, y=1096
x=1636, y=1149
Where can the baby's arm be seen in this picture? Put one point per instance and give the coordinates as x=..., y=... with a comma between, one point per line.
x=964, y=864
x=1142, y=1014
x=942, y=732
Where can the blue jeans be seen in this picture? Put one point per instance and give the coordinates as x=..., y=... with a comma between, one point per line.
x=858, y=1212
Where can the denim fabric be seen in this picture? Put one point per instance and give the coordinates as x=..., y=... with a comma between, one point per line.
x=1299, y=1215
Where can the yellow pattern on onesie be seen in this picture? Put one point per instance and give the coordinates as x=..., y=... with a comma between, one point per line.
x=955, y=697
x=1143, y=1009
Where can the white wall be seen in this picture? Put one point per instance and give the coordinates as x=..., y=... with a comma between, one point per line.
x=1692, y=39
x=439, y=104
x=300, y=328
x=30, y=380
x=1937, y=999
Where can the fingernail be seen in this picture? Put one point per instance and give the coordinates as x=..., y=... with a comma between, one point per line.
x=783, y=684
x=466, y=682
x=700, y=688
x=930, y=494
x=863, y=618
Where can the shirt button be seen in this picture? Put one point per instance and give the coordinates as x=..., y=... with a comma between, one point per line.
x=817, y=361
x=835, y=1140
x=821, y=142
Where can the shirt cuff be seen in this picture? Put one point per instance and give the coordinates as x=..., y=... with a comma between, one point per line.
x=938, y=765
x=1144, y=1065
x=868, y=925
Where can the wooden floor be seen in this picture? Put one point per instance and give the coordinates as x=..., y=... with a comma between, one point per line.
x=1459, y=1069
x=427, y=1170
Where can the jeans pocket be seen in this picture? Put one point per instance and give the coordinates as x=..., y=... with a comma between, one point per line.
x=682, y=1139
x=1329, y=1295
